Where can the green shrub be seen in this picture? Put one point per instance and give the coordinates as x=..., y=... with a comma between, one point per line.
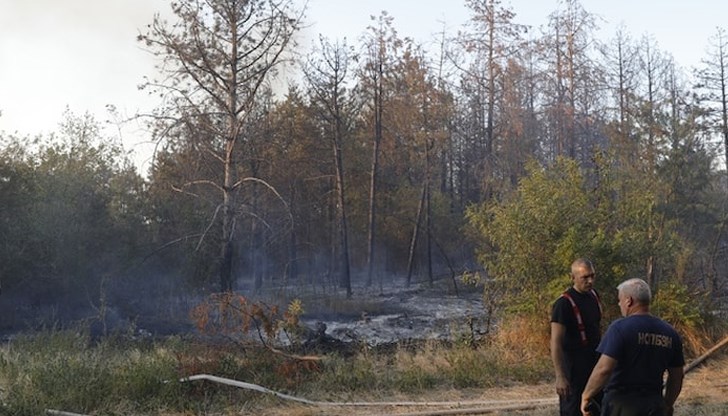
x=675, y=304
x=62, y=370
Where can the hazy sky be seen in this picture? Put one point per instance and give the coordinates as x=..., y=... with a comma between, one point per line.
x=83, y=54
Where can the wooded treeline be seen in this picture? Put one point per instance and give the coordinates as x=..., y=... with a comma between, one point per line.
x=384, y=160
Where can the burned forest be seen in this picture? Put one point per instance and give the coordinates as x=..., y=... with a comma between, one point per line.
x=417, y=188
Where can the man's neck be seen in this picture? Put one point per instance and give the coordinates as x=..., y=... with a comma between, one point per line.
x=639, y=310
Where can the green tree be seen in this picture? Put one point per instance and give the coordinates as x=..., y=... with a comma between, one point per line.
x=179, y=218
x=17, y=194
x=558, y=213
x=75, y=216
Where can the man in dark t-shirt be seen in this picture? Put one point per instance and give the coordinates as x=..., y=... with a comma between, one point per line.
x=575, y=334
x=636, y=351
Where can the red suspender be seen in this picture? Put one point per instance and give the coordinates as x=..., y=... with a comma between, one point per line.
x=599, y=302
x=577, y=314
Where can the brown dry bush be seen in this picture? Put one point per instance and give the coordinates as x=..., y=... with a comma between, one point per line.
x=521, y=338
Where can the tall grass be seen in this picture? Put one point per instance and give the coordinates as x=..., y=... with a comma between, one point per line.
x=63, y=370
x=66, y=370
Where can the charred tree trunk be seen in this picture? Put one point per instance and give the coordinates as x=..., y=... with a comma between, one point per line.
x=378, y=102
x=345, y=279
x=428, y=231
x=228, y=207
x=293, y=245
x=415, y=234
x=255, y=237
x=226, y=267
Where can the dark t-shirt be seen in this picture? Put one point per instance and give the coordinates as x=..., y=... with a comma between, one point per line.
x=644, y=347
x=562, y=312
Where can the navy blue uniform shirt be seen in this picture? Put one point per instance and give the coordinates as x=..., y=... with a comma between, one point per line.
x=644, y=347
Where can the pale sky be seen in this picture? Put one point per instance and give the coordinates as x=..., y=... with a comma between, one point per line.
x=83, y=54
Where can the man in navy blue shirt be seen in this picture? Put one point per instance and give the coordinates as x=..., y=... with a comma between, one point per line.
x=636, y=351
x=575, y=334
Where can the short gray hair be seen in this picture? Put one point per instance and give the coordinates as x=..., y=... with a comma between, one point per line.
x=637, y=289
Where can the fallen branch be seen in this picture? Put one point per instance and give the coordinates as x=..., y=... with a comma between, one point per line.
x=697, y=361
x=314, y=358
x=282, y=353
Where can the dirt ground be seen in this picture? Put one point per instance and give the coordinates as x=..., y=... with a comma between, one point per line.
x=705, y=393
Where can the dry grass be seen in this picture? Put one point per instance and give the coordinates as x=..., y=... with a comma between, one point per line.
x=514, y=365
x=705, y=393
x=707, y=383
x=521, y=339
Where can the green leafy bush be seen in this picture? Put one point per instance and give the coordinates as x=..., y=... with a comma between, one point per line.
x=63, y=370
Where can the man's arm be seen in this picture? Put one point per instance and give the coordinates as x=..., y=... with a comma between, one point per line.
x=598, y=379
x=673, y=385
x=558, y=333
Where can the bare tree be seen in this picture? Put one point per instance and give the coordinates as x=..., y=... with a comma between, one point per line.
x=714, y=82
x=568, y=48
x=621, y=68
x=657, y=71
x=492, y=38
x=215, y=59
x=380, y=44
x=326, y=75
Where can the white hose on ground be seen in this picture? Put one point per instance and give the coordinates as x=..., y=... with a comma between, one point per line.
x=62, y=413
x=249, y=386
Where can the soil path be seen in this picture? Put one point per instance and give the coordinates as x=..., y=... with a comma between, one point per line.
x=705, y=386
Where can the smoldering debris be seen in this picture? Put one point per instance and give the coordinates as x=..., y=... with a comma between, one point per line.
x=408, y=315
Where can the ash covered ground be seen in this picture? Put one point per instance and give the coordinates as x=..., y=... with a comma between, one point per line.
x=390, y=314
x=382, y=314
